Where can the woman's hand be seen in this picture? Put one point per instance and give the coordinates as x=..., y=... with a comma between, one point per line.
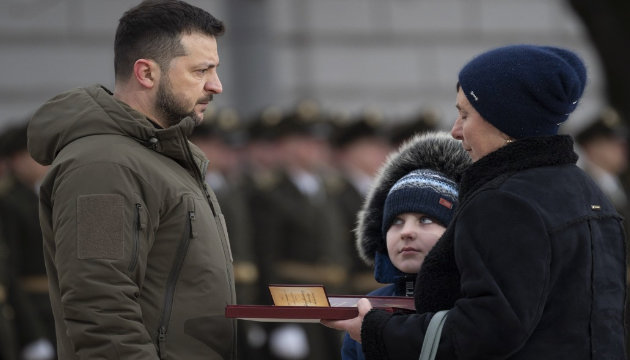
x=352, y=326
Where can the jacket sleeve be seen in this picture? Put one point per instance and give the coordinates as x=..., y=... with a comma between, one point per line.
x=393, y=336
x=503, y=252
x=98, y=265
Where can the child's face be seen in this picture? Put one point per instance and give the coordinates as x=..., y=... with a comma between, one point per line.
x=409, y=239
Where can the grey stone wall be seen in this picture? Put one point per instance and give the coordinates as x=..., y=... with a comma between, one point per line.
x=396, y=55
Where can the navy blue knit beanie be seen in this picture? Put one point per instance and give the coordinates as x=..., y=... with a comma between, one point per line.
x=421, y=191
x=524, y=90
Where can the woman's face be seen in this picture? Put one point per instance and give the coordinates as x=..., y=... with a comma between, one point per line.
x=478, y=137
x=410, y=238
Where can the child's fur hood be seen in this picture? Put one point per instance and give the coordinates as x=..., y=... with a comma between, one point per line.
x=434, y=150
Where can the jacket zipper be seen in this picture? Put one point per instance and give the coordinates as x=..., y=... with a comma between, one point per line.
x=216, y=215
x=136, y=239
x=198, y=176
x=182, y=250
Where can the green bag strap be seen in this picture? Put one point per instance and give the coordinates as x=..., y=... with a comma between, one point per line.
x=432, y=337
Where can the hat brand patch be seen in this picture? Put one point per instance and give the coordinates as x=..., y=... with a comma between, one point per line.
x=446, y=203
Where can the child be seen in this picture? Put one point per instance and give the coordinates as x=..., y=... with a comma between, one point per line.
x=406, y=212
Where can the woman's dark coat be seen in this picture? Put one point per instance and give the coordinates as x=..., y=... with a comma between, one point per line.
x=531, y=267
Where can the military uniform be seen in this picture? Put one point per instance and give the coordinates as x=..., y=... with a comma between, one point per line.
x=299, y=238
x=8, y=338
x=362, y=147
x=246, y=274
x=360, y=278
x=19, y=212
x=21, y=232
x=301, y=242
x=221, y=134
x=19, y=322
x=305, y=234
x=222, y=128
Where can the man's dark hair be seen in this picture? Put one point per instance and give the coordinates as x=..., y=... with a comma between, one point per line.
x=153, y=30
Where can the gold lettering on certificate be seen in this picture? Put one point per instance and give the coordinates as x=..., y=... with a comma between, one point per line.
x=299, y=295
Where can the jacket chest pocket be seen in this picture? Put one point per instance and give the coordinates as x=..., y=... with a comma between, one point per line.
x=207, y=225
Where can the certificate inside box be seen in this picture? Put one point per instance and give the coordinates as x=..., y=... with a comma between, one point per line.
x=310, y=303
x=299, y=295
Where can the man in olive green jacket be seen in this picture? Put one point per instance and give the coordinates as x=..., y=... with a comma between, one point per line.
x=136, y=251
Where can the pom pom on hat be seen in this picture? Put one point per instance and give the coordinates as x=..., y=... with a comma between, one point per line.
x=524, y=90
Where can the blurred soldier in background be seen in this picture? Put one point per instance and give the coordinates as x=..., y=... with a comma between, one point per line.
x=603, y=147
x=422, y=121
x=3, y=160
x=604, y=151
x=221, y=137
x=262, y=152
x=23, y=273
x=261, y=174
x=9, y=347
x=299, y=228
x=302, y=208
x=361, y=147
x=9, y=342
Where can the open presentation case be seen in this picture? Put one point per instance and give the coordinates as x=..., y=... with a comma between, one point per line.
x=310, y=303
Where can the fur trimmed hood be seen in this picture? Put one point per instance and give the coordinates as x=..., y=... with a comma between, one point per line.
x=434, y=150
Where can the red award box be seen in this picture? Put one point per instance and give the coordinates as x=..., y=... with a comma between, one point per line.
x=309, y=303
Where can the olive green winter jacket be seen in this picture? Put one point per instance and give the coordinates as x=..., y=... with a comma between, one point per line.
x=136, y=251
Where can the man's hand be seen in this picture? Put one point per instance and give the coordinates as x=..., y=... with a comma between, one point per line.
x=352, y=326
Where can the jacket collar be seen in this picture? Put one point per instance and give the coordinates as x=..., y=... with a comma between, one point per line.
x=171, y=142
x=93, y=110
x=517, y=156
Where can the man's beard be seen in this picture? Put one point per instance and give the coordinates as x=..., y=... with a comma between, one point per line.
x=173, y=109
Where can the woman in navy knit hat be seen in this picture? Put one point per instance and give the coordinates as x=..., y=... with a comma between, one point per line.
x=533, y=263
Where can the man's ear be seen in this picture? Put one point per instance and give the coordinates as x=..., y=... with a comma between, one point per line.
x=146, y=72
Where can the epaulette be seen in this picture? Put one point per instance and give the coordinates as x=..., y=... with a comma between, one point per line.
x=266, y=180
x=6, y=184
x=334, y=183
x=3, y=294
x=245, y=272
